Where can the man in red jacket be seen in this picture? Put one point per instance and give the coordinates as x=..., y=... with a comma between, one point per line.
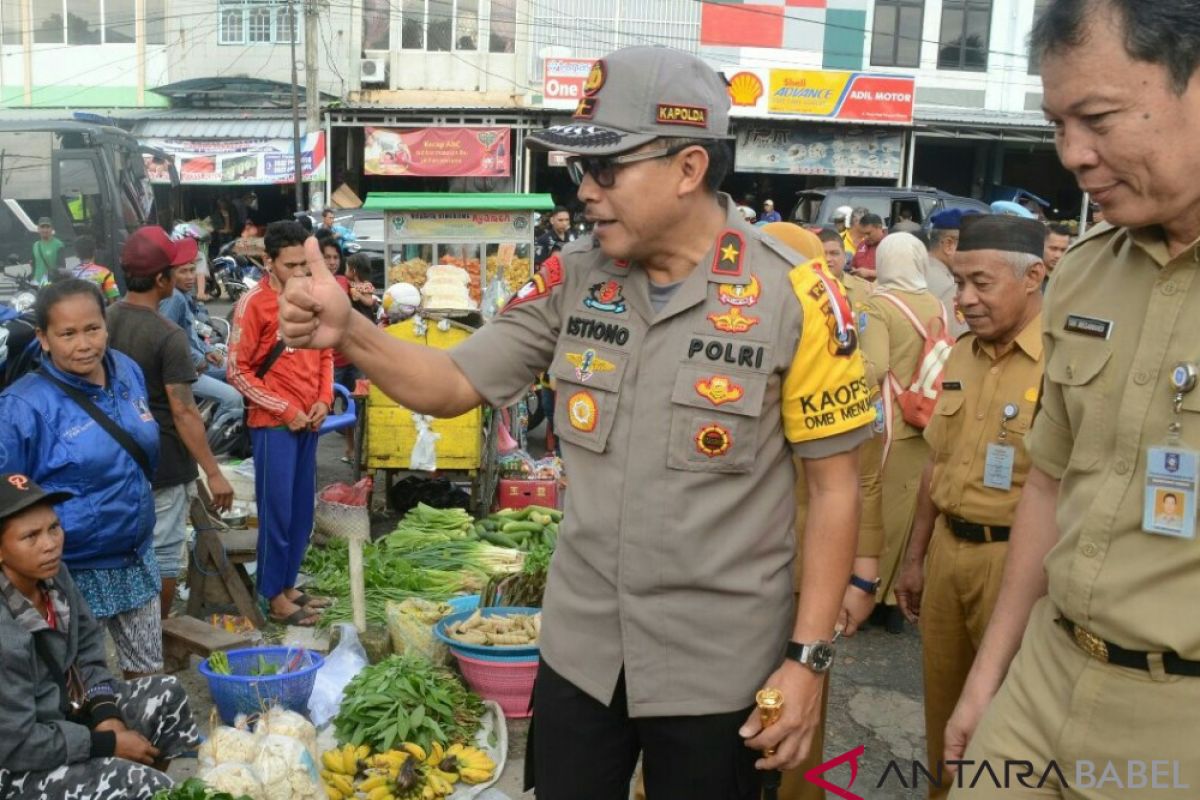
x=288, y=393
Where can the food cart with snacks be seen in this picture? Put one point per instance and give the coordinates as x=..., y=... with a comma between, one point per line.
x=490, y=237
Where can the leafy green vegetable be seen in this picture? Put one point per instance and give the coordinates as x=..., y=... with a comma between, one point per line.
x=405, y=698
x=194, y=789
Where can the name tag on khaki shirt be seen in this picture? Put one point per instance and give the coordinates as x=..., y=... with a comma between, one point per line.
x=1169, y=503
x=998, y=466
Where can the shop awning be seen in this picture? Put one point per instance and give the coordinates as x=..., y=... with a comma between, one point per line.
x=198, y=125
x=474, y=201
x=972, y=123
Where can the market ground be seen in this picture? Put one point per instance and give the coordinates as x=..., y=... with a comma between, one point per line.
x=875, y=697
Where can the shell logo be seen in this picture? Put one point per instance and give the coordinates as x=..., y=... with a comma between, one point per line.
x=745, y=88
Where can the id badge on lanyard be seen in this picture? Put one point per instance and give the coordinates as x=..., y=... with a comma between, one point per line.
x=1001, y=456
x=1169, y=497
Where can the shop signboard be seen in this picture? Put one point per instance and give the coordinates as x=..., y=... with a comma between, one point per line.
x=828, y=95
x=821, y=150
x=238, y=162
x=475, y=226
x=562, y=81
x=438, y=152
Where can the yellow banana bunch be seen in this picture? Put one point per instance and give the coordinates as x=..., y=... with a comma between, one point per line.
x=414, y=750
x=381, y=793
x=375, y=781
x=341, y=783
x=470, y=764
x=391, y=761
x=334, y=794
x=437, y=754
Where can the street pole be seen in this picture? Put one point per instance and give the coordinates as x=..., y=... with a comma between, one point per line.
x=298, y=168
x=312, y=91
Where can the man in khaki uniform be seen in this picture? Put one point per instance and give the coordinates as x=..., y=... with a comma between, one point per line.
x=970, y=487
x=942, y=244
x=1096, y=604
x=693, y=360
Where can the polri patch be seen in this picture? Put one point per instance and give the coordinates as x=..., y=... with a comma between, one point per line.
x=719, y=390
x=713, y=440
x=727, y=261
x=548, y=276
x=585, y=108
x=733, y=321
x=606, y=296
x=588, y=364
x=581, y=408
x=595, y=79
x=744, y=295
x=1089, y=326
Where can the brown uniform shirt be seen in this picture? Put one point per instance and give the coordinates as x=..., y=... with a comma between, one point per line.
x=678, y=430
x=978, y=382
x=1119, y=314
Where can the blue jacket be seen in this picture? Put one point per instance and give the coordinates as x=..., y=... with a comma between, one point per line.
x=178, y=308
x=44, y=434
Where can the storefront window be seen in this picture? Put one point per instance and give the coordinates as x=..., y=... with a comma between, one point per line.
x=896, y=33
x=47, y=23
x=83, y=22
x=413, y=25
x=441, y=26
x=156, y=22
x=466, y=25
x=377, y=17
x=119, y=22
x=502, y=33
x=966, y=26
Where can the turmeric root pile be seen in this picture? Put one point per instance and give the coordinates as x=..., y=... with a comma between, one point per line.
x=503, y=630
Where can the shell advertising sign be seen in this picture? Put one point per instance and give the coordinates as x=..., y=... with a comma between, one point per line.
x=827, y=95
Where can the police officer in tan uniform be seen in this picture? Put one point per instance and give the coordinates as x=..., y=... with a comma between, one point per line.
x=1092, y=658
x=693, y=360
x=978, y=463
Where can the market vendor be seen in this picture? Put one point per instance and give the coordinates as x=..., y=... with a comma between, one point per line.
x=693, y=359
x=67, y=727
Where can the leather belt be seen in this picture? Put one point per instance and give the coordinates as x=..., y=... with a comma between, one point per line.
x=974, y=532
x=1111, y=653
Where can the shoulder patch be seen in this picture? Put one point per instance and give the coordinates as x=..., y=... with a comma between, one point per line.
x=549, y=275
x=813, y=287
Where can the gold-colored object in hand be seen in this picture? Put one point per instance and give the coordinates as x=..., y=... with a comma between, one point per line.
x=770, y=708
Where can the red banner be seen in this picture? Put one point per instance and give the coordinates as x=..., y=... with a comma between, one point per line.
x=438, y=152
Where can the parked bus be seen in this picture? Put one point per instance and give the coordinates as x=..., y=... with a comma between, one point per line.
x=88, y=178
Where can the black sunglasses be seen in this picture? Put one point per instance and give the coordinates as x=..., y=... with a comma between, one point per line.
x=603, y=169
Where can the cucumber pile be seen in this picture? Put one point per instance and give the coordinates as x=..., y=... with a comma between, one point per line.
x=521, y=528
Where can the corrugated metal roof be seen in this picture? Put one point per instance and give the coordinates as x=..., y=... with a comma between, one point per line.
x=212, y=127
x=978, y=117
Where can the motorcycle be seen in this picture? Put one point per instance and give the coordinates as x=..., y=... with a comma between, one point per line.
x=236, y=276
x=23, y=291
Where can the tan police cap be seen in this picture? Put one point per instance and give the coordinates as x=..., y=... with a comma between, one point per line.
x=638, y=94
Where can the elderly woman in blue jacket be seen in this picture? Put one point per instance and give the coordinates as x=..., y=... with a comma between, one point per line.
x=81, y=424
x=69, y=729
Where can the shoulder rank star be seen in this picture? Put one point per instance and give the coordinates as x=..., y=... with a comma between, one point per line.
x=588, y=363
x=733, y=321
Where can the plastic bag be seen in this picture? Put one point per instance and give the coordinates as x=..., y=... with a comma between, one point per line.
x=424, y=452
x=228, y=745
x=279, y=720
x=346, y=660
x=287, y=771
x=235, y=777
x=410, y=623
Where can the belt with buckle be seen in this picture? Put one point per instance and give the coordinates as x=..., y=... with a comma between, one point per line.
x=980, y=534
x=1111, y=653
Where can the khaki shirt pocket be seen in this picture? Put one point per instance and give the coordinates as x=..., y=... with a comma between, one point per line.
x=943, y=429
x=714, y=420
x=1077, y=367
x=588, y=382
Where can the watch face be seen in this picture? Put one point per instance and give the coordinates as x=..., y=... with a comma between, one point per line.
x=821, y=657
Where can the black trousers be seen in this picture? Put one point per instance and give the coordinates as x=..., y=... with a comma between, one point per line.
x=580, y=749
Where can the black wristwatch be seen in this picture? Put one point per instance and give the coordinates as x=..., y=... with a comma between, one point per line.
x=870, y=587
x=817, y=656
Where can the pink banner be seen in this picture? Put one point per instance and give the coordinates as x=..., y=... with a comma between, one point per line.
x=438, y=152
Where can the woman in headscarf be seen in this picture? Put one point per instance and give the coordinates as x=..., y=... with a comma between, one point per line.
x=893, y=346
